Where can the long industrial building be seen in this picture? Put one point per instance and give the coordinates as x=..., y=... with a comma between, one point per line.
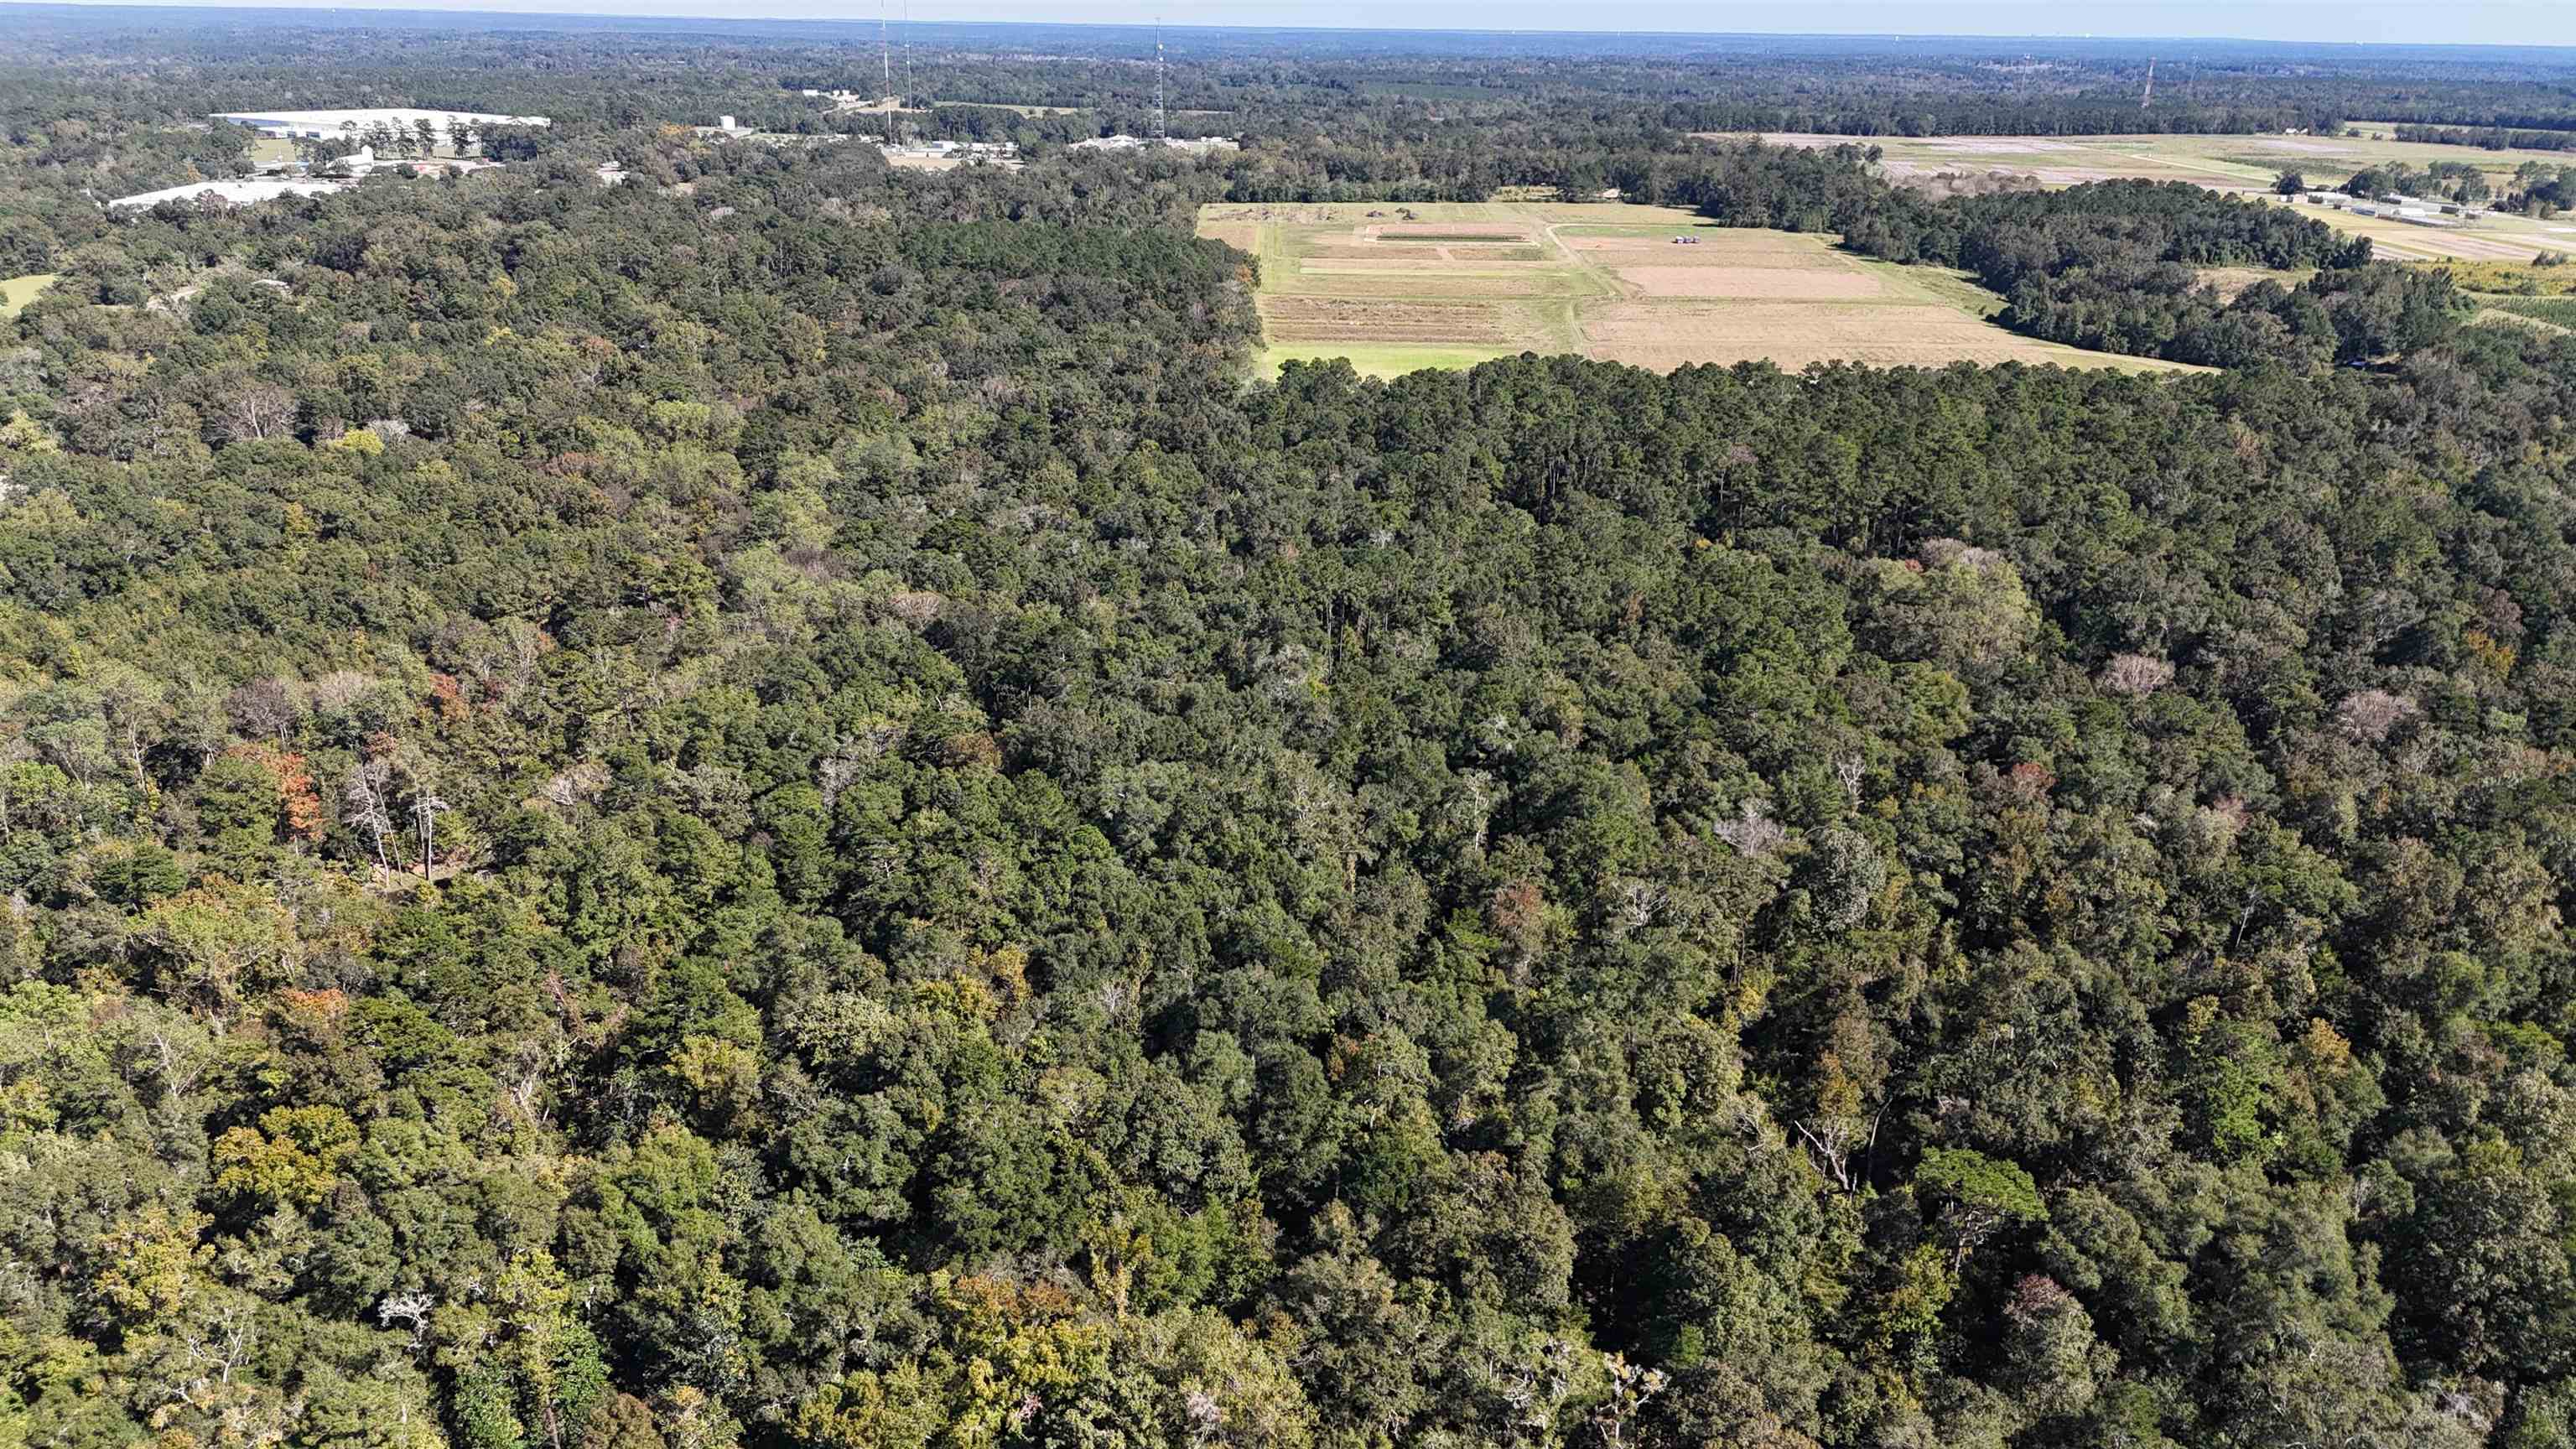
x=237, y=193
x=329, y=125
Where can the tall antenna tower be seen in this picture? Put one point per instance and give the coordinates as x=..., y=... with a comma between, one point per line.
x=885, y=51
x=1160, y=131
x=2149, y=98
x=907, y=49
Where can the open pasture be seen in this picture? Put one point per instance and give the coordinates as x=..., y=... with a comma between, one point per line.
x=1396, y=288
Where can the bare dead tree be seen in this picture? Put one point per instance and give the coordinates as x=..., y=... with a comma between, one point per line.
x=259, y=410
x=365, y=800
x=426, y=807
x=1836, y=1140
x=412, y=1310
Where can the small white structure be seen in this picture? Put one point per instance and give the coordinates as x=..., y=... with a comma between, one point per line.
x=236, y=193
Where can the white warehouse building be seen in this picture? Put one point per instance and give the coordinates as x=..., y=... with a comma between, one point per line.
x=237, y=193
x=333, y=125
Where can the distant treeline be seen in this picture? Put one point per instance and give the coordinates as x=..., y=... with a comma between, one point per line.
x=2493, y=138
x=2438, y=118
x=2092, y=114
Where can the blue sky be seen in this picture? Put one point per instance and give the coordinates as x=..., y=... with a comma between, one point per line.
x=2489, y=22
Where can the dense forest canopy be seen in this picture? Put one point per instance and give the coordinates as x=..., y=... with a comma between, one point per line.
x=772, y=807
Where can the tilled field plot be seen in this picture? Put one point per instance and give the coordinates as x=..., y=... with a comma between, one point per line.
x=1666, y=335
x=1786, y=284
x=1348, y=319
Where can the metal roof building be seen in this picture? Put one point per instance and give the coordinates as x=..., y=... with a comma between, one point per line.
x=328, y=125
x=239, y=193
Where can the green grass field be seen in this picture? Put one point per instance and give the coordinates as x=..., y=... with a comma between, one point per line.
x=17, y=292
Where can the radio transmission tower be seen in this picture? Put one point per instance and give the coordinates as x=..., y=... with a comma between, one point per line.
x=1161, y=133
x=2149, y=97
x=885, y=51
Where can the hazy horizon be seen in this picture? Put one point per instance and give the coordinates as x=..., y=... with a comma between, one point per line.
x=2368, y=22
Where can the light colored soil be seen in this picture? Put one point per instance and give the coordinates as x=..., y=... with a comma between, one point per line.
x=1624, y=253
x=2004, y=145
x=1783, y=284
x=1667, y=335
x=1392, y=266
x=1447, y=229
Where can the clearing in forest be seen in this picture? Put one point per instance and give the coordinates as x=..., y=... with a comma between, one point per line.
x=1395, y=288
x=17, y=292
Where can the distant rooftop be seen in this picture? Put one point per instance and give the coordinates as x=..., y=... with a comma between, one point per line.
x=323, y=125
x=1123, y=142
x=239, y=193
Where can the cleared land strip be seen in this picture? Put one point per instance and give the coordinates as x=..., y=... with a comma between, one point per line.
x=1400, y=288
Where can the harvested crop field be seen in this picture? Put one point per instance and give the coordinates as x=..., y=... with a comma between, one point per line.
x=1454, y=284
x=1349, y=319
x=1787, y=284
x=1667, y=335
